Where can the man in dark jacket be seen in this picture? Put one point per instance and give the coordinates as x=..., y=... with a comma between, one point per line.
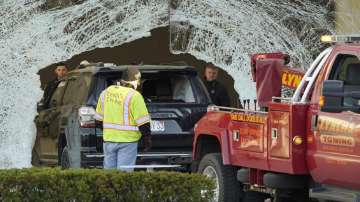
x=218, y=93
x=60, y=72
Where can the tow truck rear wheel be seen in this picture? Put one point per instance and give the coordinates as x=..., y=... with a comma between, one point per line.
x=228, y=189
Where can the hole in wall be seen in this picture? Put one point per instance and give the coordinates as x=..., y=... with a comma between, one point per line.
x=149, y=50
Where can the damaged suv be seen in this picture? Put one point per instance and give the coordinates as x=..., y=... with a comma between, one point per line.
x=66, y=133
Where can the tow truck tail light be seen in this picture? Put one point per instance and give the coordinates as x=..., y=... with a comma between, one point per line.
x=86, y=117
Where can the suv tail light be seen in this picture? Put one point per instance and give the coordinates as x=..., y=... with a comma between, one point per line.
x=86, y=117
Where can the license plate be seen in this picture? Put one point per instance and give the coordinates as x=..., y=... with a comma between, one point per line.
x=157, y=126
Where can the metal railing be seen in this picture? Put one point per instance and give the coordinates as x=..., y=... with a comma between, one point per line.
x=231, y=109
x=302, y=92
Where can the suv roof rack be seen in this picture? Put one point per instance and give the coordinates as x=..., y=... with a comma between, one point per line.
x=340, y=38
x=85, y=64
x=175, y=63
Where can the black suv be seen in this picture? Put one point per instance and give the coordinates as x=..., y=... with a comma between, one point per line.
x=66, y=134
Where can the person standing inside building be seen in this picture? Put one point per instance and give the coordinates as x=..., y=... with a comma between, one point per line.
x=60, y=72
x=125, y=118
x=218, y=93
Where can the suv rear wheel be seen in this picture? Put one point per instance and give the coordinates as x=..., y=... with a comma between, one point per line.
x=227, y=188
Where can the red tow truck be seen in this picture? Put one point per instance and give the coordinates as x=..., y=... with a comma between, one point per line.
x=302, y=148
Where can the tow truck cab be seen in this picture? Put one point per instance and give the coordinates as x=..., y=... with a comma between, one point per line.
x=302, y=147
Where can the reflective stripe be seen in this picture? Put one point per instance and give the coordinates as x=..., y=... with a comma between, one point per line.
x=143, y=119
x=120, y=127
x=98, y=116
x=102, y=98
x=127, y=107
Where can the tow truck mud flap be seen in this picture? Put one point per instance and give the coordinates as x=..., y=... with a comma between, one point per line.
x=335, y=194
x=284, y=181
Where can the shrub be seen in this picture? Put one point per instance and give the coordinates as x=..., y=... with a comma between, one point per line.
x=53, y=184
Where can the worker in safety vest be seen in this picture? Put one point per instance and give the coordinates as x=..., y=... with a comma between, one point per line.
x=125, y=119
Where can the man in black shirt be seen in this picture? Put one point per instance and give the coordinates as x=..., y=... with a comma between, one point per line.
x=218, y=93
x=60, y=72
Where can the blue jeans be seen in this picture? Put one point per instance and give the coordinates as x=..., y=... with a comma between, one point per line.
x=120, y=154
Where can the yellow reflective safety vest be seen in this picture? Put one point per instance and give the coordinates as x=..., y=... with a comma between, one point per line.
x=122, y=111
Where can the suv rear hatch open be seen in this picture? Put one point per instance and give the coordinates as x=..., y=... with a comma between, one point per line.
x=176, y=100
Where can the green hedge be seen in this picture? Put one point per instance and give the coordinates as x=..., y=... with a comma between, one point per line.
x=53, y=184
